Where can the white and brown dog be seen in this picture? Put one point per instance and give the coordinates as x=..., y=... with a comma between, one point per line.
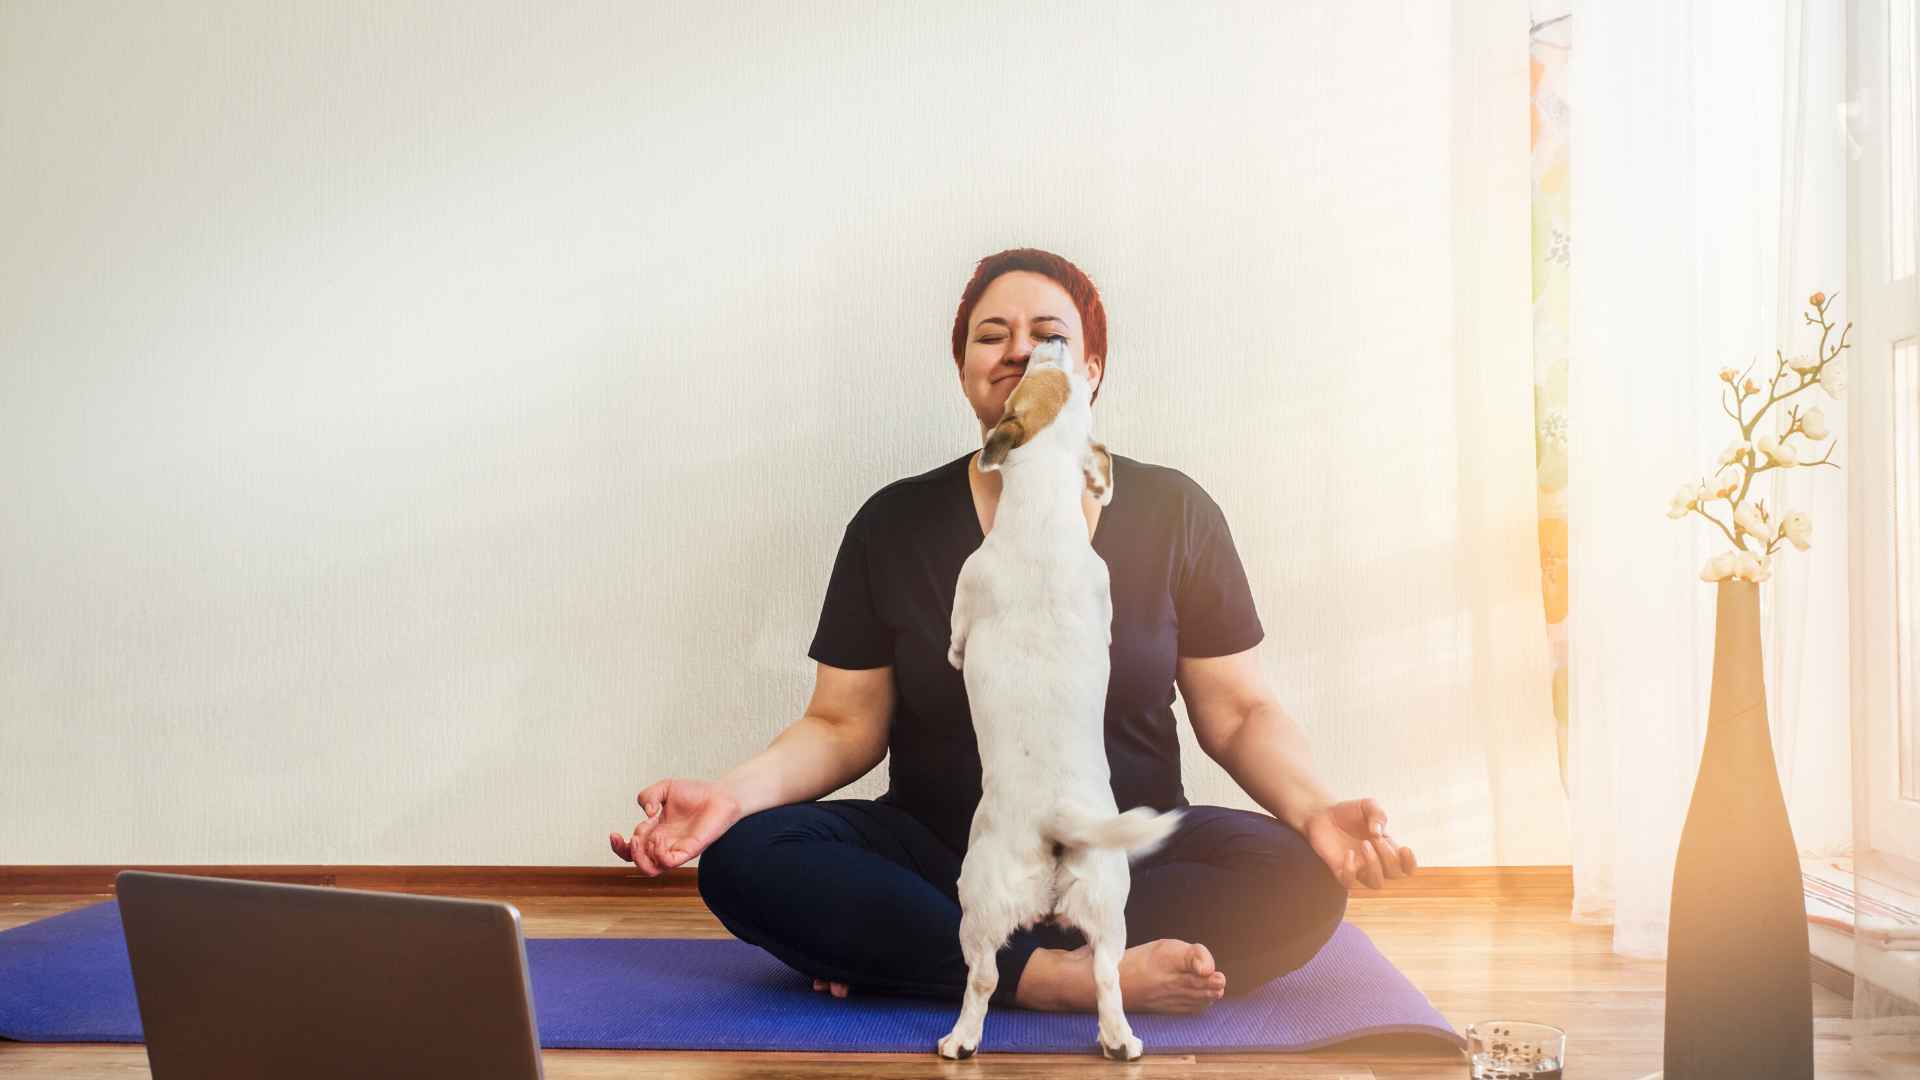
x=1032, y=620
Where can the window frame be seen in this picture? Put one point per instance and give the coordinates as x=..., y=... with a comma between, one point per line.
x=1884, y=313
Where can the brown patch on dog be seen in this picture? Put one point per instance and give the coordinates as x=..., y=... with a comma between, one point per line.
x=1099, y=472
x=1030, y=408
x=1005, y=435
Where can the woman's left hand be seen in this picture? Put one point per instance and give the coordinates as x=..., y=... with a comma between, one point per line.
x=1241, y=725
x=1351, y=838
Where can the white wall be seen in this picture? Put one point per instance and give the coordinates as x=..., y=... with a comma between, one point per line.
x=421, y=425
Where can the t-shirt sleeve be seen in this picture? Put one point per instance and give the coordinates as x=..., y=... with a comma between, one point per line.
x=1213, y=602
x=850, y=634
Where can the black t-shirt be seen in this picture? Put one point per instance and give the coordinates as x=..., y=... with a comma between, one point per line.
x=1178, y=590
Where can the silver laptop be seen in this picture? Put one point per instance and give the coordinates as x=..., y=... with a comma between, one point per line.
x=253, y=979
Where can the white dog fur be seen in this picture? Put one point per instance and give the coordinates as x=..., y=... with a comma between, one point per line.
x=1032, y=621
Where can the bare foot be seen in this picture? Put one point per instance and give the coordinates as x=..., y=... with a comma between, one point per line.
x=1165, y=976
x=840, y=990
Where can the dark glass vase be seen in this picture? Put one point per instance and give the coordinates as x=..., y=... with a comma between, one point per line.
x=1739, y=996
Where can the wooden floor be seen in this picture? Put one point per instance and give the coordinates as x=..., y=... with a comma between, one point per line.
x=1476, y=959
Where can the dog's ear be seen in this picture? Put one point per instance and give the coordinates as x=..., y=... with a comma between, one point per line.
x=1099, y=466
x=1006, y=435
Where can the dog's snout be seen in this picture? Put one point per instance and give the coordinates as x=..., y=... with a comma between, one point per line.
x=1052, y=350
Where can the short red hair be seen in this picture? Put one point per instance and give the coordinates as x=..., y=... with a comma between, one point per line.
x=1086, y=298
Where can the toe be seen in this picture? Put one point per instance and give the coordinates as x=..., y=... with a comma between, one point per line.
x=1199, y=960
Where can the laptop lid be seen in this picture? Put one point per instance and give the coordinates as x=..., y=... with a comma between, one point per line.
x=256, y=979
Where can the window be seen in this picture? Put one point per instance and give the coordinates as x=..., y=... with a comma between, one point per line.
x=1883, y=417
x=1906, y=547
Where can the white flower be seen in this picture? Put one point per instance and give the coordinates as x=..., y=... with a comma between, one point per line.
x=1834, y=379
x=1797, y=528
x=1752, y=565
x=1804, y=363
x=1781, y=453
x=1814, y=424
x=1735, y=450
x=1726, y=483
x=1749, y=519
x=1718, y=568
x=1683, y=500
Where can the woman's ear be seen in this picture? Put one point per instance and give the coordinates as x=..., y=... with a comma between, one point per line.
x=1096, y=368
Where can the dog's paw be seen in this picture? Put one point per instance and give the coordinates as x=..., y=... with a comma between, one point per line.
x=1129, y=1049
x=951, y=1049
x=954, y=657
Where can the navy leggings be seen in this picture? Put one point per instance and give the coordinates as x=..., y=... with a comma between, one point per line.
x=862, y=893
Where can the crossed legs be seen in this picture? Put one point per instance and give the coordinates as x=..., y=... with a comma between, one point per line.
x=861, y=894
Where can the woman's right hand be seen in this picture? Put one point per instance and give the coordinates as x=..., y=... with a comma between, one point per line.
x=683, y=817
x=842, y=735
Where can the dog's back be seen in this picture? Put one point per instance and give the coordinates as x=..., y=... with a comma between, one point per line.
x=1033, y=614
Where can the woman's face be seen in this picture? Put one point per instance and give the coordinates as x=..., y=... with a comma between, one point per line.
x=1018, y=311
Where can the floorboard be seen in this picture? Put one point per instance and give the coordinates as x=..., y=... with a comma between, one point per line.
x=1477, y=959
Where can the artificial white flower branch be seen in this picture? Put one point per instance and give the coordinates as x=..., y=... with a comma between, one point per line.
x=1747, y=457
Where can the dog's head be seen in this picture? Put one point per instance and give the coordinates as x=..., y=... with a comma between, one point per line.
x=1049, y=390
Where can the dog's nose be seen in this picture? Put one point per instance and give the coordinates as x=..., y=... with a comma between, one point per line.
x=1051, y=350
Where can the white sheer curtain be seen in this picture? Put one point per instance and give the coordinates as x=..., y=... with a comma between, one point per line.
x=1679, y=269
x=1805, y=607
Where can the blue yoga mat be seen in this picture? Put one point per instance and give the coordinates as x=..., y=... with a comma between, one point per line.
x=66, y=979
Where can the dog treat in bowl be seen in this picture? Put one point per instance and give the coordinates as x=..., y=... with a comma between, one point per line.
x=1515, y=1050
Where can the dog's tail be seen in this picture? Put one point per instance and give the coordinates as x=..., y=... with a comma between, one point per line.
x=1140, y=829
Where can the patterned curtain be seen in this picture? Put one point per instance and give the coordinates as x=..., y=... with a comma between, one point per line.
x=1550, y=47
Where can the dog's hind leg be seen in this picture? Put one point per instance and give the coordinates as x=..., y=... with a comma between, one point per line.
x=1117, y=1040
x=981, y=935
x=1097, y=904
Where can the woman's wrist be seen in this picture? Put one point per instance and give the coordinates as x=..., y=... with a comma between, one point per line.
x=763, y=781
x=1304, y=809
x=738, y=792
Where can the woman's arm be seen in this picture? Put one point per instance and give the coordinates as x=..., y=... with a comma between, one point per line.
x=1241, y=725
x=842, y=735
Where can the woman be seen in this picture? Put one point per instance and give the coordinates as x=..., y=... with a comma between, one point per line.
x=863, y=893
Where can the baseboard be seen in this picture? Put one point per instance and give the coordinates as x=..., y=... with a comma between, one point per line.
x=1833, y=977
x=1431, y=882
x=1477, y=882
x=437, y=880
